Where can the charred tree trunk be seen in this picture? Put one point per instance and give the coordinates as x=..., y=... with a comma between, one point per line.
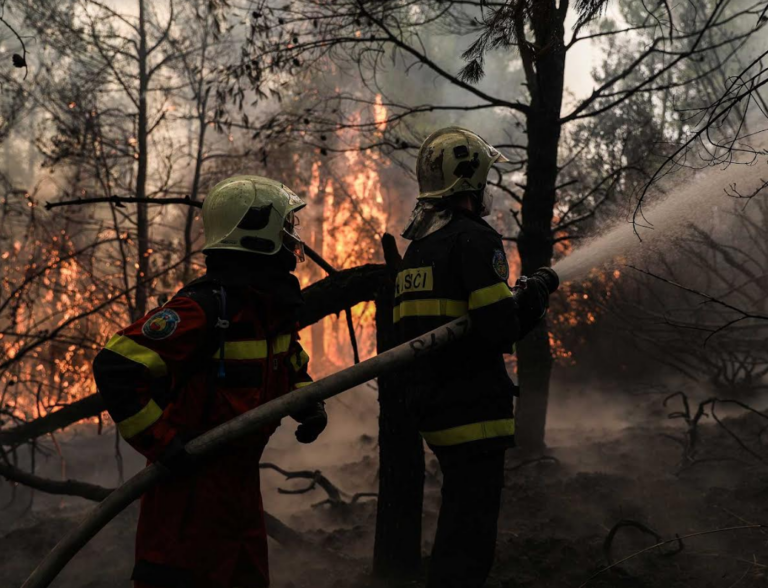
x=194, y=193
x=142, y=217
x=544, y=64
x=397, y=548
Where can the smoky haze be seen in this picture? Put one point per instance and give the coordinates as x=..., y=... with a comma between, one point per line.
x=622, y=341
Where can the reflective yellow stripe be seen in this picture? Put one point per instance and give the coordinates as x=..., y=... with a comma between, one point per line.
x=472, y=432
x=253, y=349
x=298, y=385
x=142, y=420
x=281, y=343
x=300, y=362
x=489, y=295
x=256, y=349
x=129, y=349
x=432, y=307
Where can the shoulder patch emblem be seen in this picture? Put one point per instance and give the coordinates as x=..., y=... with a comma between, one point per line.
x=161, y=325
x=500, y=265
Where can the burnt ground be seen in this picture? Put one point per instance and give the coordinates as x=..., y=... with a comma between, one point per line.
x=611, y=466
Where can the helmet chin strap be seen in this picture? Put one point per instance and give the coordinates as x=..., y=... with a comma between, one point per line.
x=483, y=203
x=287, y=259
x=486, y=203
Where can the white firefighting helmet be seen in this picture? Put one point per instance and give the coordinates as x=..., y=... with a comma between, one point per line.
x=454, y=160
x=253, y=214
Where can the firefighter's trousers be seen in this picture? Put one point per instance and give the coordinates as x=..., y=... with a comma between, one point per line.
x=465, y=541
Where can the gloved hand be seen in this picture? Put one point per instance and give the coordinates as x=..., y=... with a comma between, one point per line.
x=532, y=297
x=312, y=422
x=175, y=458
x=548, y=278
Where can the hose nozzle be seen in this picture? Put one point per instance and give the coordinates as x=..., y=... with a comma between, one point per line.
x=549, y=277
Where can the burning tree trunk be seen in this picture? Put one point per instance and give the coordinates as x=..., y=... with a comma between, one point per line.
x=397, y=549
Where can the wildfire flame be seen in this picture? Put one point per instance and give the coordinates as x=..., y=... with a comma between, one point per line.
x=349, y=216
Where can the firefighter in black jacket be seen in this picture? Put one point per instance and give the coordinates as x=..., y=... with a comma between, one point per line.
x=462, y=399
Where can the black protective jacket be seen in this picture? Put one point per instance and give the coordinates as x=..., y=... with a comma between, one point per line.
x=463, y=394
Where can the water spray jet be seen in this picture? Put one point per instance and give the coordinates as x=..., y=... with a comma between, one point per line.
x=689, y=202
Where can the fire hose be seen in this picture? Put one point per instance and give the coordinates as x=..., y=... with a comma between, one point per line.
x=240, y=426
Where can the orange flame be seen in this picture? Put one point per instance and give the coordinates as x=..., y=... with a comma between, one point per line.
x=380, y=114
x=350, y=216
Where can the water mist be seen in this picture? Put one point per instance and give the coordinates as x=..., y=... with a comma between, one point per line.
x=689, y=202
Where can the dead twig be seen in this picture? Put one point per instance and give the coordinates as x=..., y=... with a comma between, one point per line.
x=677, y=539
x=608, y=544
x=533, y=460
x=19, y=61
x=690, y=442
x=742, y=314
x=335, y=495
x=360, y=495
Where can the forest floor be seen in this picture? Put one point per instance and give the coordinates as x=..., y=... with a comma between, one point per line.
x=612, y=464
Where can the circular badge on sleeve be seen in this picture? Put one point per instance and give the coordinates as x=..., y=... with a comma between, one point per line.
x=500, y=265
x=161, y=325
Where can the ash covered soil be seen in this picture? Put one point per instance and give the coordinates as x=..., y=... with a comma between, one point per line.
x=609, y=465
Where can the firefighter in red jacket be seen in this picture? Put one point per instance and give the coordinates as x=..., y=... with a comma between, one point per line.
x=225, y=344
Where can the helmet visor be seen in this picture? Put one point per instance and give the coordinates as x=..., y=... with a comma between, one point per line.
x=291, y=239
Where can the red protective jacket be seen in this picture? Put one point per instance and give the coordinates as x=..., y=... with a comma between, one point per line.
x=163, y=377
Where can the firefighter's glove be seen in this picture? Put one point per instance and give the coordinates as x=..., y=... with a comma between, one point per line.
x=547, y=277
x=534, y=298
x=312, y=422
x=175, y=458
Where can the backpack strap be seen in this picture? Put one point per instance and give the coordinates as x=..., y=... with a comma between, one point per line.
x=222, y=324
x=210, y=294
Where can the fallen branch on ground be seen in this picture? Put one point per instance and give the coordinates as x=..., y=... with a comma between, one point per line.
x=276, y=529
x=335, y=495
x=63, y=487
